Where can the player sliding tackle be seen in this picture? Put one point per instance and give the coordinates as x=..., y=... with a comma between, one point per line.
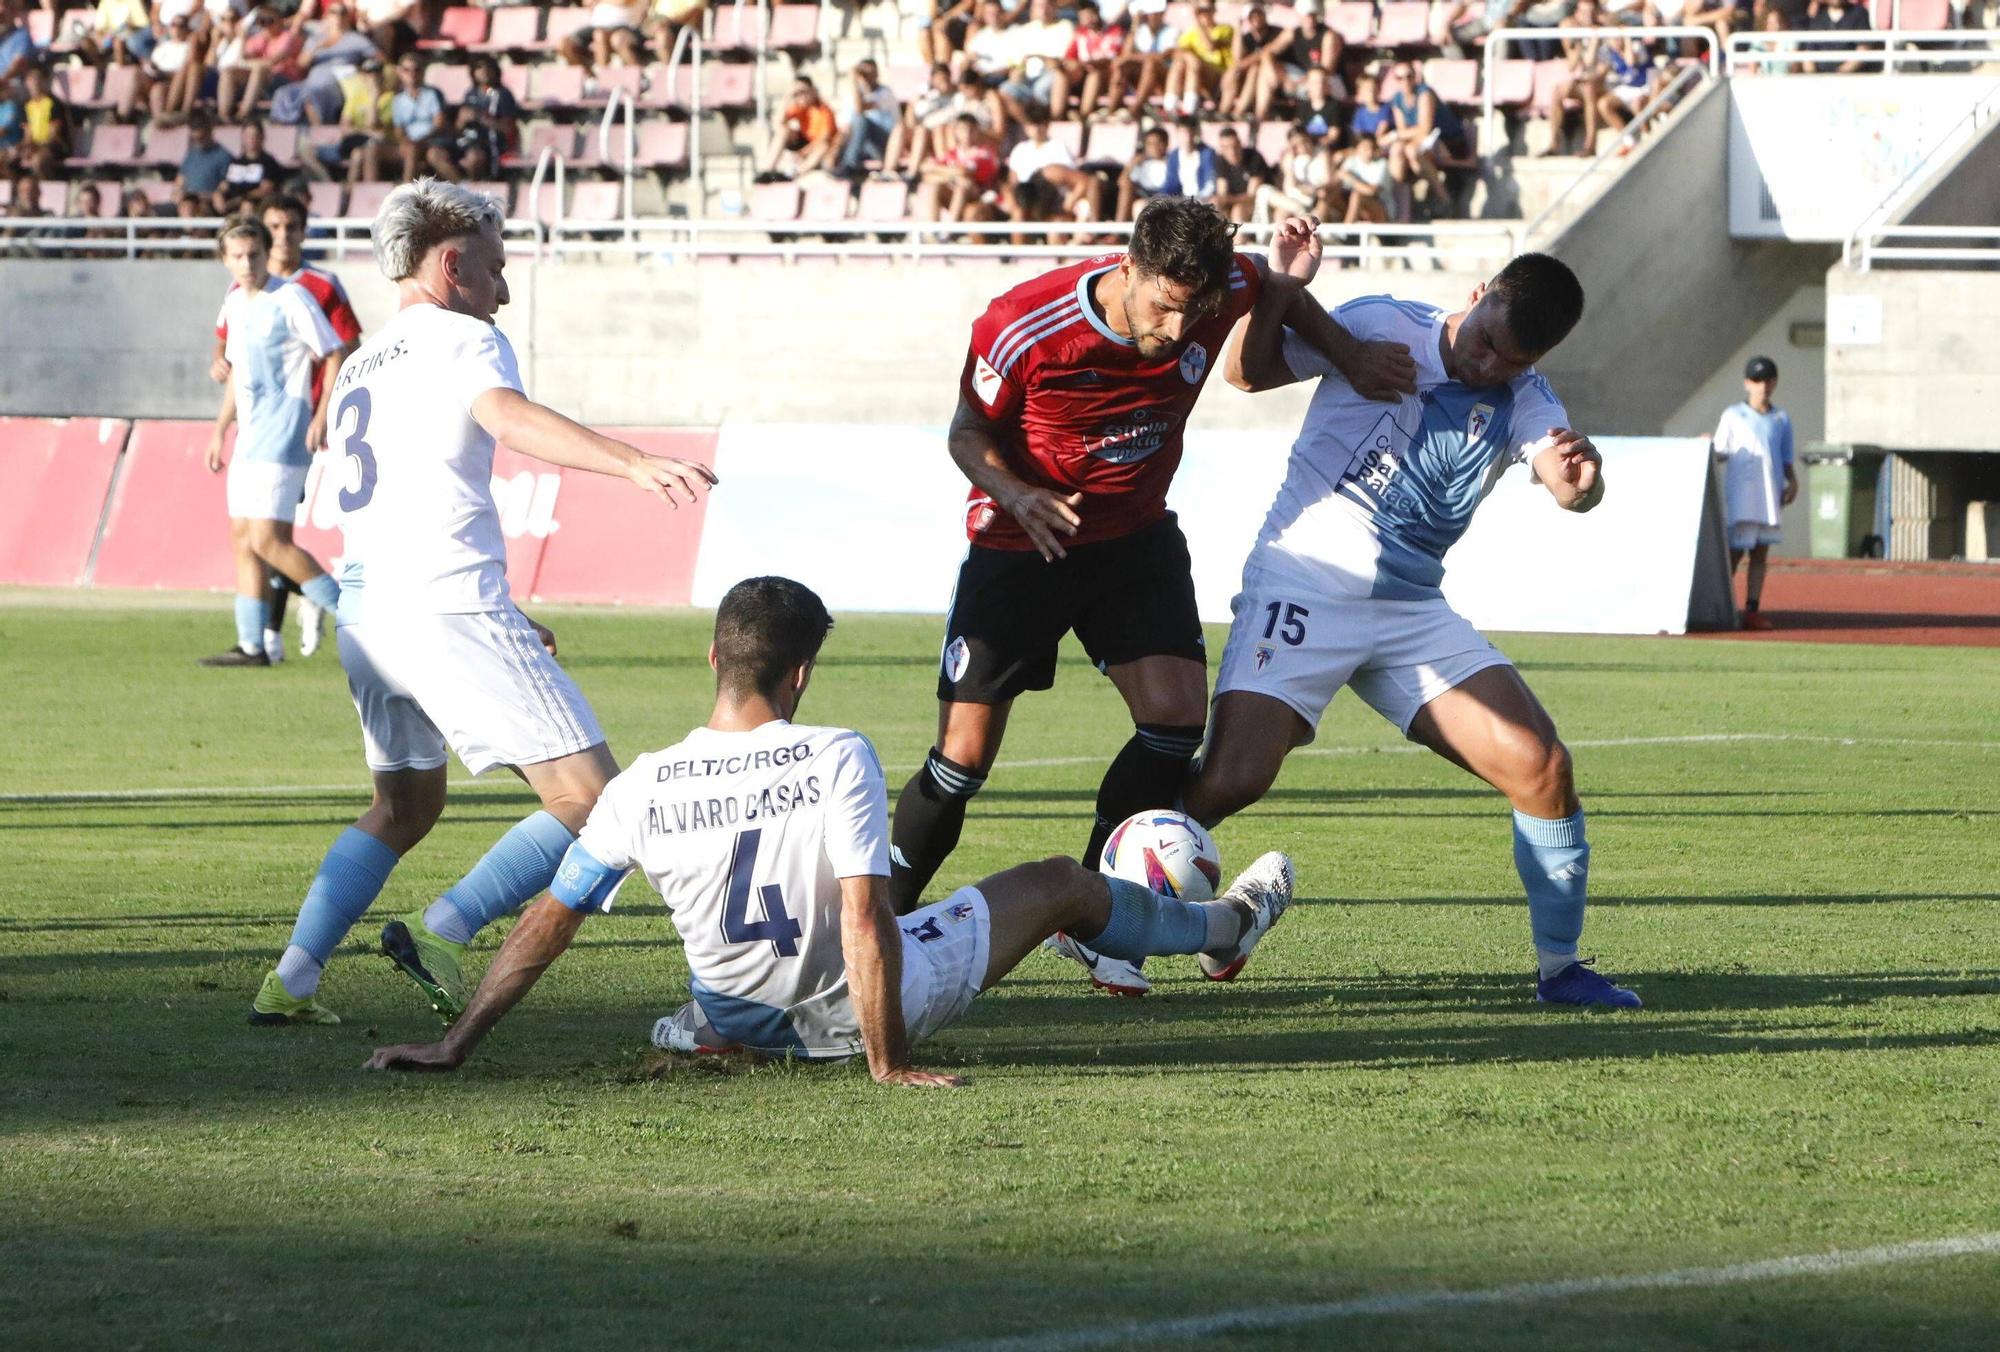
x=768, y=841
x=1342, y=587
x=436, y=653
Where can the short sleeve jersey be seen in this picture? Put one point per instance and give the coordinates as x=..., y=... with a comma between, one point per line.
x=276, y=340
x=1376, y=493
x=415, y=470
x=1079, y=409
x=746, y=836
x=1758, y=450
x=329, y=295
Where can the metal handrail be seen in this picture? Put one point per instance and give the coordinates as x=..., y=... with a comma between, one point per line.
x=549, y=154
x=631, y=142
x=1499, y=38
x=1665, y=100
x=1950, y=144
x=1881, y=47
x=689, y=44
x=144, y=236
x=1870, y=252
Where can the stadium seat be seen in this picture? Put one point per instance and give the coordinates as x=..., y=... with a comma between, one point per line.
x=556, y=86
x=1282, y=16
x=513, y=28
x=627, y=78
x=118, y=82
x=1403, y=23
x=452, y=83
x=1549, y=77
x=595, y=202
x=563, y=22
x=738, y=29
x=230, y=139
x=323, y=199
x=908, y=81
x=728, y=88
x=1452, y=81
x=1180, y=15
x=463, y=28
x=367, y=199
x=41, y=27
x=166, y=146
x=1354, y=20
x=883, y=200
x=281, y=143
x=827, y=199
x=515, y=78
x=662, y=144
x=1271, y=141
x=109, y=144
x=1112, y=143
x=75, y=85
x=495, y=189
x=774, y=201
x=1068, y=134
x=1926, y=16
x=1513, y=83
x=545, y=206
x=794, y=28
x=1881, y=14
x=160, y=192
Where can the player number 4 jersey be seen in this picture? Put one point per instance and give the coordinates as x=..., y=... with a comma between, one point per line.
x=746, y=836
x=1376, y=493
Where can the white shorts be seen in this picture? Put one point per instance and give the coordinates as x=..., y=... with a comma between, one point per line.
x=1750, y=534
x=1398, y=655
x=945, y=949
x=265, y=490
x=481, y=684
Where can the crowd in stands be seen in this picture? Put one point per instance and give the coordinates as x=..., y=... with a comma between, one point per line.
x=1029, y=111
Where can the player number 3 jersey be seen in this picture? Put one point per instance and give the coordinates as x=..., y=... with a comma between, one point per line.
x=746, y=836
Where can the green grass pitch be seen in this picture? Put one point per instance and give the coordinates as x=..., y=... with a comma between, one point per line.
x=1377, y=1108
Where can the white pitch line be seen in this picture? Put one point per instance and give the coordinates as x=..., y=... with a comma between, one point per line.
x=358, y=787
x=1426, y=1302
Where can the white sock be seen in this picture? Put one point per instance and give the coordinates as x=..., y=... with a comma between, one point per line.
x=1551, y=963
x=298, y=972
x=1228, y=922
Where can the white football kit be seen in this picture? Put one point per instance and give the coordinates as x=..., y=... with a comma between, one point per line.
x=746, y=836
x=1342, y=587
x=277, y=337
x=435, y=651
x=1756, y=450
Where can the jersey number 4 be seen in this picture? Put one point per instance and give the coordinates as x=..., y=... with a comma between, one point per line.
x=778, y=928
x=354, y=498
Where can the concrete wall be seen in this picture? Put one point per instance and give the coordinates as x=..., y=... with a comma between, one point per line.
x=1966, y=190
x=1932, y=381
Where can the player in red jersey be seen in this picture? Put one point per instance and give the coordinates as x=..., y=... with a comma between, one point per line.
x=1070, y=416
x=285, y=218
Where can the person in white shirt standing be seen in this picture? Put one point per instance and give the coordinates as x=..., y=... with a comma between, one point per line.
x=769, y=842
x=436, y=653
x=1754, y=444
x=278, y=338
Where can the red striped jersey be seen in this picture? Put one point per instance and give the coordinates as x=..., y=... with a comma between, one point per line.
x=1078, y=407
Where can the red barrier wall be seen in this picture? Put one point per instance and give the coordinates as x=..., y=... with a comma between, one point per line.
x=614, y=543
x=168, y=525
x=54, y=474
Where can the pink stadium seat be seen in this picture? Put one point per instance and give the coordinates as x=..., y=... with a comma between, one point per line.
x=1112, y=142
x=515, y=78
x=166, y=145
x=367, y=199
x=1405, y=24
x=728, y=88
x=563, y=22
x=1068, y=134
x=561, y=139
x=627, y=78
x=662, y=144
x=462, y=28
x=1549, y=77
x=499, y=192
x=282, y=143
x=775, y=201
x=738, y=28
x=1926, y=16
x=323, y=199
x=907, y=81
x=41, y=27
x=546, y=206
x=117, y=83
x=884, y=200
x=76, y=85
x=1271, y=140
x=230, y=139
x=1453, y=81
x=452, y=83
x=53, y=197
x=513, y=28
x=826, y=199
x=1354, y=20
x=596, y=202
x=109, y=144
x=557, y=86
x=1513, y=83
x=160, y=192
x=795, y=28
x=1881, y=14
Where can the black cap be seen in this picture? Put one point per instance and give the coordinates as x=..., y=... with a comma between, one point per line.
x=1761, y=368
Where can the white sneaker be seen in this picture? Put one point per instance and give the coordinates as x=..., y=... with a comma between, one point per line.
x=1266, y=887
x=274, y=646
x=687, y=1031
x=312, y=616
x=1115, y=975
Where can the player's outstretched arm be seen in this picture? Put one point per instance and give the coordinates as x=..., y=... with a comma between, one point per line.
x=1255, y=357
x=872, y=947
x=1571, y=469
x=546, y=435
x=544, y=931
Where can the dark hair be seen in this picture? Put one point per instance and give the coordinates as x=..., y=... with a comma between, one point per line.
x=1540, y=298
x=1189, y=122
x=1184, y=241
x=765, y=628
x=288, y=204
x=1035, y=114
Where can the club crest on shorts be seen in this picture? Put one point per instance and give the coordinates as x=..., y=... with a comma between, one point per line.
x=956, y=658
x=1265, y=652
x=1194, y=362
x=1480, y=419
x=959, y=910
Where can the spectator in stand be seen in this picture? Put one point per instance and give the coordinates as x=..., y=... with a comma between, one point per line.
x=1837, y=16
x=942, y=26
x=364, y=123
x=805, y=133
x=17, y=44
x=1311, y=46
x=1424, y=126
x=1364, y=178
x=1145, y=174
x=171, y=76
x=117, y=31
x=1254, y=81
x=1147, y=60
x=924, y=117
x=1321, y=109
x=1305, y=182
x=1723, y=16
x=666, y=19
x=252, y=176
x=1629, y=78
x=1239, y=172
x=268, y=55
x=11, y=130
x=1092, y=52
x=615, y=34
x=206, y=163
x=135, y=205
x=499, y=111
x=989, y=47
x=964, y=174
x=45, y=126
x=1039, y=45
x=1044, y=182
x=389, y=24
x=26, y=198
x=1201, y=61
x=1191, y=166
x=874, y=118
x=416, y=111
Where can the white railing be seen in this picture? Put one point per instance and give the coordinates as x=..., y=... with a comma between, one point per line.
x=604, y=126
x=689, y=45
x=1663, y=101
x=133, y=237
x=1754, y=53
x=1856, y=251
x=550, y=155
x=1489, y=127
x=1978, y=244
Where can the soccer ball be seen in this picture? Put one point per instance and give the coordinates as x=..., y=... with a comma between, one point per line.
x=1168, y=852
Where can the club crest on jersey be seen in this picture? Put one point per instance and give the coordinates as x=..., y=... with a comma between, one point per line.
x=1134, y=436
x=1194, y=362
x=1479, y=421
x=985, y=380
x=956, y=658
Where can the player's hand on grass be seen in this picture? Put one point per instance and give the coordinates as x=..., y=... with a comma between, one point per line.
x=1379, y=370
x=1295, y=247
x=213, y=457
x=664, y=475
x=1045, y=515
x=911, y=1078
x=415, y=1056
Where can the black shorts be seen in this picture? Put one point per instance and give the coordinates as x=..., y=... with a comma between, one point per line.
x=1127, y=598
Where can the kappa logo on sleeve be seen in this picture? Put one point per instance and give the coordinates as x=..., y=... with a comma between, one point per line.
x=985, y=380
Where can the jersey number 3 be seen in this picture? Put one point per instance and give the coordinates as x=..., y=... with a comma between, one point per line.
x=355, y=497
x=737, y=927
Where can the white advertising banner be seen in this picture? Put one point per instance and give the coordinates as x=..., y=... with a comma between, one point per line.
x=1809, y=158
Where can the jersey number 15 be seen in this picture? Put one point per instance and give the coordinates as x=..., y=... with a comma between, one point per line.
x=777, y=927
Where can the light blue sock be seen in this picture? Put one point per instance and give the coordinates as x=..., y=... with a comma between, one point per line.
x=322, y=591
x=349, y=880
x=251, y=614
x=1553, y=860
x=518, y=868
x=1144, y=924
